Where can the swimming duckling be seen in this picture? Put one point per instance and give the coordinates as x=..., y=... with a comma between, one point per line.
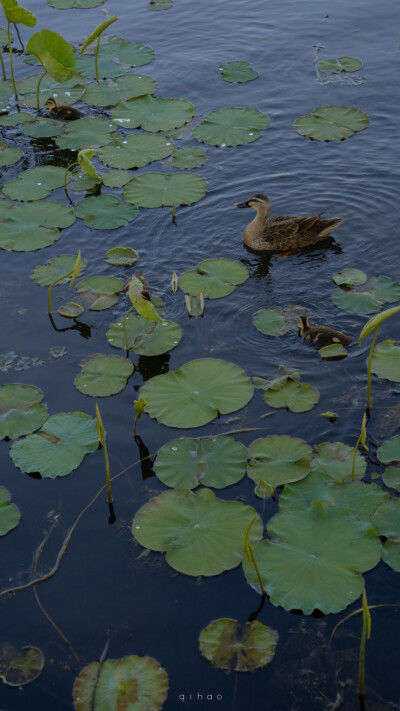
x=322, y=335
x=63, y=112
x=284, y=232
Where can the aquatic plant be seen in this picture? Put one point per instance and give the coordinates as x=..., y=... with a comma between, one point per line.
x=373, y=325
x=55, y=55
x=73, y=273
x=228, y=644
x=16, y=14
x=96, y=34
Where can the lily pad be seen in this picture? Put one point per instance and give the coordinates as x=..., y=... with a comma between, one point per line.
x=231, y=127
x=41, y=127
x=18, y=117
x=335, y=459
x=228, y=644
x=331, y=123
x=9, y=514
x=79, y=4
x=391, y=554
x=66, y=92
x=128, y=86
x=271, y=322
x=189, y=157
x=376, y=292
x=201, y=534
x=86, y=133
x=59, y=447
x=387, y=519
x=314, y=559
x=159, y=190
x=116, y=178
x=105, y=212
x=391, y=478
x=99, y=292
x=31, y=226
x=214, y=278
x=104, y=375
x=196, y=393
x=333, y=351
x=21, y=410
x=108, y=68
x=136, y=151
x=54, y=268
x=343, y=64
x=287, y=392
x=189, y=462
x=9, y=154
x=389, y=451
x=121, y=256
x=349, y=277
x=19, y=666
x=70, y=310
x=386, y=360
x=153, y=113
x=237, y=72
x=35, y=183
x=142, y=336
x=278, y=459
x=54, y=53
x=6, y=85
x=131, y=684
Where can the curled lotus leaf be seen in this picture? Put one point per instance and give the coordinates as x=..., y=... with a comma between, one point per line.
x=153, y=113
x=159, y=190
x=54, y=268
x=86, y=133
x=35, y=183
x=143, y=336
x=54, y=53
x=104, y=375
x=278, y=459
x=136, y=151
x=21, y=410
x=214, y=278
x=9, y=513
x=66, y=92
x=331, y=123
x=189, y=157
x=126, y=87
x=229, y=644
x=200, y=534
x=20, y=666
x=105, y=212
x=334, y=351
x=335, y=459
x=343, y=64
x=99, y=292
x=237, y=72
x=231, y=127
x=386, y=360
x=9, y=154
x=33, y=225
x=121, y=256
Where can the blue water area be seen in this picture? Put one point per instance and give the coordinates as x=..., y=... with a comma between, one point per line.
x=105, y=587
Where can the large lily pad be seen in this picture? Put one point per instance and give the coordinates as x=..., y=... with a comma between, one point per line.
x=143, y=336
x=18, y=117
x=188, y=462
x=21, y=410
x=136, y=151
x=35, y=183
x=105, y=212
x=159, y=190
x=237, y=72
x=115, y=54
x=201, y=534
x=59, y=447
x=288, y=392
x=370, y=297
x=99, y=292
x=116, y=178
x=42, y=127
x=66, y=92
x=331, y=123
x=387, y=524
x=19, y=666
x=391, y=478
x=386, y=360
x=31, y=226
x=9, y=513
x=314, y=559
x=389, y=451
x=9, y=154
x=86, y=133
x=278, y=459
x=214, y=278
x=126, y=87
x=228, y=644
x=153, y=113
x=189, y=157
x=335, y=459
x=104, y=375
x=231, y=127
x=196, y=393
x=54, y=268
x=271, y=322
x=343, y=64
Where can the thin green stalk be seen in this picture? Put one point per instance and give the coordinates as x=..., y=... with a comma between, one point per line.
x=362, y=439
x=102, y=437
x=37, y=90
x=11, y=61
x=124, y=327
x=365, y=634
x=96, y=60
x=371, y=353
x=73, y=272
x=250, y=554
x=3, y=69
x=66, y=173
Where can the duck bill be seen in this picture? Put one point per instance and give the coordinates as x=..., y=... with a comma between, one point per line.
x=242, y=204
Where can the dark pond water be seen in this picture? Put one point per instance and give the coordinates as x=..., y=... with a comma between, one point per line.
x=104, y=589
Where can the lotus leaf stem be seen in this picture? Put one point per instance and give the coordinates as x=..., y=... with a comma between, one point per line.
x=103, y=441
x=3, y=69
x=68, y=168
x=365, y=634
x=37, y=90
x=11, y=61
x=250, y=554
x=96, y=56
x=50, y=289
x=371, y=353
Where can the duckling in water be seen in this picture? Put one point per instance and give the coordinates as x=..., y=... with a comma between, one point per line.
x=285, y=232
x=63, y=112
x=322, y=335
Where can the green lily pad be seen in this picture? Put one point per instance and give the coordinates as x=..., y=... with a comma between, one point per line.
x=104, y=375
x=189, y=157
x=214, y=278
x=228, y=644
x=6, y=85
x=386, y=360
x=54, y=268
x=314, y=559
x=142, y=336
x=9, y=154
x=335, y=460
x=278, y=459
x=385, y=289
x=391, y=478
x=153, y=113
x=343, y=64
x=387, y=519
x=237, y=72
x=231, y=127
x=35, y=183
x=271, y=322
x=131, y=684
x=331, y=123
x=19, y=117
x=86, y=133
x=54, y=53
x=159, y=190
x=41, y=127
x=66, y=92
x=108, y=68
x=287, y=392
x=130, y=54
x=158, y=5
x=70, y=310
x=194, y=304
x=99, y=292
x=116, y=178
x=105, y=212
x=121, y=256
x=31, y=226
x=136, y=151
x=357, y=302
x=350, y=277
x=391, y=554
x=333, y=351
x=196, y=393
x=189, y=462
x=389, y=451
x=20, y=666
x=9, y=513
x=201, y=534
x=79, y=4
x=59, y=447
x=21, y=410
x=128, y=86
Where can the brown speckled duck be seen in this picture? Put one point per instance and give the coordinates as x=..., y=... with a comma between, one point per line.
x=63, y=112
x=286, y=232
x=322, y=335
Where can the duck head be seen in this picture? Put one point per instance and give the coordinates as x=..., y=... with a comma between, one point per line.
x=258, y=202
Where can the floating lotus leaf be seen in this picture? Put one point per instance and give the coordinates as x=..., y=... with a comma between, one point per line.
x=32, y=226
x=231, y=127
x=54, y=268
x=116, y=178
x=386, y=360
x=121, y=256
x=389, y=451
x=6, y=85
x=189, y=157
x=35, y=183
x=229, y=644
x=79, y=4
x=335, y=459
x=391, y=554
x=278, y=459
x=271, y=322
x=70, y=310
x=9, y=513
x=20, y=666
x=81, y=182
x=142, y=336
x=9, y=154
x=104, y=375
x=66, y=92
x=126, y=87
x=189, y=462
x=105, y=212
x=331, y=123
x=201, y=534
x=59, y=447
x=99, y=292
x=136, y=151
x=21, y=410
x=131, y=684
x=314, y=559
x=15, y=118
x=391, y=478
x=349, y=277
x=334, y=351
x=357, y=302
x=385, y=289
x=157, y=6
x=159, y=190
x=153, y=113
x=108, y=69
x=131, y=54
x=343, y=64
x=197, y=392
x=42, y=127
x=237, y=72
x=387, y=519
x=214, y=278
x=289, y=393
x=86, y=133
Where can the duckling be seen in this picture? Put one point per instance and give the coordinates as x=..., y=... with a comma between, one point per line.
x=322, y=335
x=285, y=232
x=64, y=111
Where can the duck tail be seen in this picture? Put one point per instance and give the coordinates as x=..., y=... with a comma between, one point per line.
x=329, y=225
